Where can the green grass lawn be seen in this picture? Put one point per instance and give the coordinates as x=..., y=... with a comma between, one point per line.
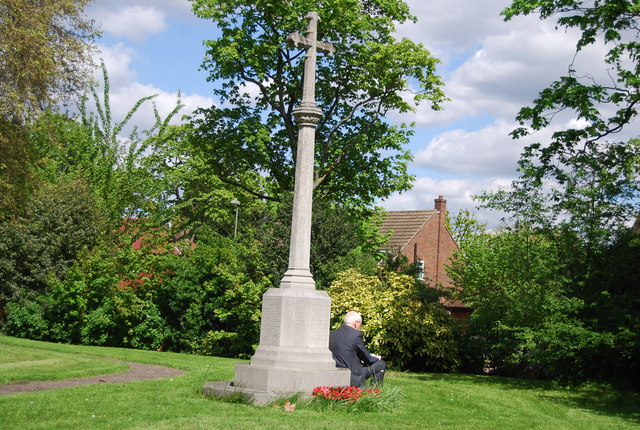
x=22, y=363
x=430, y=401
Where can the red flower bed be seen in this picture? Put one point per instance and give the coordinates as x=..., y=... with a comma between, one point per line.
x=344, y=393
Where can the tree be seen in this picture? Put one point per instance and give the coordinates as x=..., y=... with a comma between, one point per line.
x=359, y=155
x=579, y=190
x=45, y=48
x=605, y=106
x=60, y=221
x=16, y=169
x=613, y=22
x=524, y=317
x=465, y=227
x=119, y=170
x=186, y=193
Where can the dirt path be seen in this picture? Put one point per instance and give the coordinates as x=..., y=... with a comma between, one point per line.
x=137, y=372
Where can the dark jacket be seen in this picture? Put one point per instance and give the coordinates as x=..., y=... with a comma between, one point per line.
x=348, y=350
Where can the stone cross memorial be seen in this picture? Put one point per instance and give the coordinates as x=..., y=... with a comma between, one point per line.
x=293, y=355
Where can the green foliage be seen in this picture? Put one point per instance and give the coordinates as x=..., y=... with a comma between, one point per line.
x=115, y=167
x=610, y=21
x=341, y=238
x=211, y=296
x=465, y=227
x=582, y=215
x=407, y=331
x=169, y=294
x=186, y=192
x=578, y=192
x=592, y=181
x=512, y=273
x=45, y=48
x=359, y=156
x=538, y=313
x=512, y=280
x=59, y=222
x=56, y=148
x=16, y=169
x=26, y=319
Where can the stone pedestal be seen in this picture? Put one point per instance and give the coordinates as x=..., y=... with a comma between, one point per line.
x=293, y=355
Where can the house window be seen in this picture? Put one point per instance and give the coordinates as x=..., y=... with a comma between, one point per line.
x=420, y=270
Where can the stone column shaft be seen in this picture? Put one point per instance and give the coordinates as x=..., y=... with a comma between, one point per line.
x=298, y=273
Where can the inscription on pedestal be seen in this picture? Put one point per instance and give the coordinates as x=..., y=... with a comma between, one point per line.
x=300, y=327
x=270, y=328
x=319, y=323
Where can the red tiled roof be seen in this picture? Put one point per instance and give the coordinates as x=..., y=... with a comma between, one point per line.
x=405, y=225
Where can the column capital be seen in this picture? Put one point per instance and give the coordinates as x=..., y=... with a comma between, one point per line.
x=307, y=115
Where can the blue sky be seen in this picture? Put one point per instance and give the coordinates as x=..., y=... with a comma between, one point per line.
x=491, y=69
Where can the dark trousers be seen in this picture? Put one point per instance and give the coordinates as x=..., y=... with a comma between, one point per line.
x=375, y=372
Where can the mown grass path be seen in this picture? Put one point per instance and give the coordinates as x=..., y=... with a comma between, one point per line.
x=135, y=372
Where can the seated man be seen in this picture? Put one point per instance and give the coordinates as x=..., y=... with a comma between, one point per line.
x=348, y=350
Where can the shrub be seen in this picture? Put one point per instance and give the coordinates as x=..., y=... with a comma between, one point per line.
x=397, y=324
x=60, y=221
x=26, y=319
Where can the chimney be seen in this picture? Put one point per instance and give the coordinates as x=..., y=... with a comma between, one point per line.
x=441, y=207
x=441, y=204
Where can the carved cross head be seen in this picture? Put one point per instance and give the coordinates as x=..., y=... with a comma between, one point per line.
x=310, y=40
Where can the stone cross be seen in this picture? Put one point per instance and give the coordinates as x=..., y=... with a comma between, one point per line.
x=312, y=45
x=307, y=116
x=293, y=355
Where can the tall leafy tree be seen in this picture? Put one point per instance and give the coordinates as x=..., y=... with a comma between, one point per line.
x=360, y=156
x=586, y=158
x=16, y=175
x=614, y=22
x=45, y=48
x=184, y=191
x=45, y=51
x=582, y=179
x=575, y=194
x=59, y=221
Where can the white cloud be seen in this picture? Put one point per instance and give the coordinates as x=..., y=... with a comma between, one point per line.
x=504, y=74
x=118, y=60
x=453, y=25
x=488, y=151
x=125, y=91
x=458, y=192
x=134, y=22
x=494, y=68
x=180, y=9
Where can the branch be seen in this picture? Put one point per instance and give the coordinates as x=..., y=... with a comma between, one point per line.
x=248, y=190
x=348, y=145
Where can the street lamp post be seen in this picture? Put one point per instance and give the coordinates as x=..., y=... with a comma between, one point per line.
x=236, y=203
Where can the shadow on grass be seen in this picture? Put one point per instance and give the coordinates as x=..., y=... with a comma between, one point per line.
x=603, y=401
x=598, y=398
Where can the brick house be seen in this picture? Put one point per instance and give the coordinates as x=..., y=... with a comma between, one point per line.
x=423, y=237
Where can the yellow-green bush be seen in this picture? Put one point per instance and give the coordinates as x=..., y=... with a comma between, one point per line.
x=408, y=332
